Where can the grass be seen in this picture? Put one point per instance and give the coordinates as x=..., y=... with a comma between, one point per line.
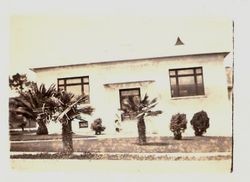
x=92, y=147
x=127, y=145
x=30, y=136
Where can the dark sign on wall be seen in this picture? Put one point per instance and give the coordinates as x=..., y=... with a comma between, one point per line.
x=83, y=124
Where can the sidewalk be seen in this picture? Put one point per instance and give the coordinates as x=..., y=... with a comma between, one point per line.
x=107, y=167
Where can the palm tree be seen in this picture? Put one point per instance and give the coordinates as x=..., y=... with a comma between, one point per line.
x=42, y=105
x=67, y=110
x=35, y=104
x=141, y=108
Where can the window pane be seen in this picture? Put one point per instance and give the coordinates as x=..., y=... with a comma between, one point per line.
x=185, y=72
x=61, y=82
x=200, y=87
x=174, y=91
x=73, y=80
x=129, y=92
x=172, y=73
x=85, y=79
x=186, y=80
x=61, y=88
x=173, y=81
x=187, y=86
x=75, y=89
x=86, y=89
x=198, y=70
x=124, y=101
x=199, y=79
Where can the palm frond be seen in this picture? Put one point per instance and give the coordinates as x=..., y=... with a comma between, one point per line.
x=86, y=110
x=82, y=99
x=128, y=106
x=154, y=113
x=149, y=107
x=24, y=102
x=134, y=104
x=66, y=97
x=50, y=91
x=23, y=111
x=42, y=90
x=153, y=101
x=145, y=100
x=70, y=109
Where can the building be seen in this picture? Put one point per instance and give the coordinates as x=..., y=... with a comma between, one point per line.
x=185, y=83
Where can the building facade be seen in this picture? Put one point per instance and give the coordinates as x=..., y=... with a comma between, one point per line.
x=182, y=84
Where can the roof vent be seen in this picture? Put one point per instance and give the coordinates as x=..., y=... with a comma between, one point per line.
x=179, y=42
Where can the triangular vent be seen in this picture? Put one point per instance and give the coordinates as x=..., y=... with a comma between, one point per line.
x=179, y=42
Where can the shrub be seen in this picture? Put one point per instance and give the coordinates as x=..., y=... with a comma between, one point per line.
x=97, y=126
x=178, y=125
x=200, y=123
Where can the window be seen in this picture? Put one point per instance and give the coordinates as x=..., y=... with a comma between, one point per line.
x=76, y=85
x=125, y=95
x=186, y=82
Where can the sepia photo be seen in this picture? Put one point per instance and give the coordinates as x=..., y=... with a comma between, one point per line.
x=114, y=92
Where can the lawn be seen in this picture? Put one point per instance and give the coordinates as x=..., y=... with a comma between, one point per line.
x=31, y=136
x=158, y=144
x=95, y=147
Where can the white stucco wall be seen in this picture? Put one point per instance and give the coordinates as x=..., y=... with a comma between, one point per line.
x=105, y=98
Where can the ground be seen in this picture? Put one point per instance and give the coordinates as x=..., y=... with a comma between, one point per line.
x=102, y=144
x=192, y=153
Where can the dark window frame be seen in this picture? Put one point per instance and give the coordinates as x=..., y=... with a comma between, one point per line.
x=194, y=75
x=82, y=83
x=120, y=97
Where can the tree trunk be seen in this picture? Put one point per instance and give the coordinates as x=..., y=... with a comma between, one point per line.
x=198, y=133
x=177, y=135
x=67, y=138
x=141, y=130
x=22, y=126
x=42, y=128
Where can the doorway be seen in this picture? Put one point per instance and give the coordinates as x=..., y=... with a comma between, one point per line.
x=126, y=95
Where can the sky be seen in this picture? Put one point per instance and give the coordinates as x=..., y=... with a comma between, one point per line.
x=40, y=41
x=103, y=33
